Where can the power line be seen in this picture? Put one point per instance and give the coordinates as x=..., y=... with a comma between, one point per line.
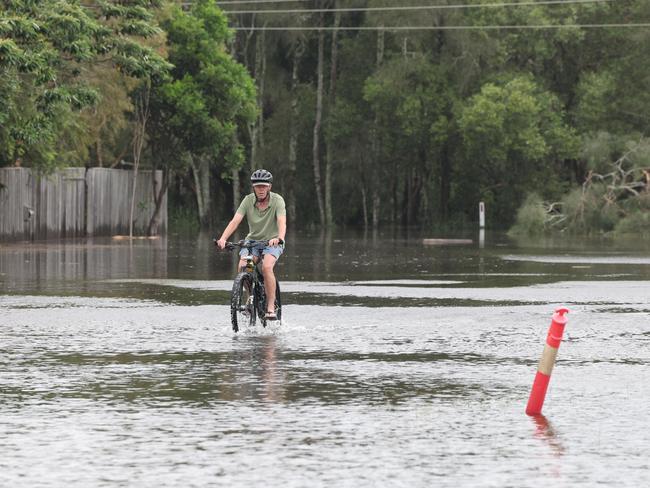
x=449, y=27
x=236, y=2
x=412, y=7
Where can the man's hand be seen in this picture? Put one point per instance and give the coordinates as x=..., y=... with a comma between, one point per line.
x=221, y=243
x=275, y=242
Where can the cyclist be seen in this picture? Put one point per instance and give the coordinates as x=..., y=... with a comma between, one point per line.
x=266, y=214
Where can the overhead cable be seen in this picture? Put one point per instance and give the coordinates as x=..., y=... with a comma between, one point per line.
x=447, y=27
x=235, y=2
x=415, y=7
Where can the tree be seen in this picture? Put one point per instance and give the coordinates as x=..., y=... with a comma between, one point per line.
x=45, y=48
x=208, y=98
x=516, y=140
x=412, y=106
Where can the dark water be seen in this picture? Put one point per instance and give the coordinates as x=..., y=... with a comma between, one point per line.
x=397, y=364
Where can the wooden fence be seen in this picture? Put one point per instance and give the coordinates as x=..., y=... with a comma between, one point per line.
x=75, y=202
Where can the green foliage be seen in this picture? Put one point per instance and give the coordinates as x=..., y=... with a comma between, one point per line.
x=617, y=201
x=427, y=123
x=411, y=101
x=637, y=216
x=599, y=149
x=183, y=220
x=412, y=104
x=515, y=120
x=594, y=91
x=531, y=217
x=588, y=212
x=209, y=94
x=515, y=139
x=637, y=224
x=45, y=50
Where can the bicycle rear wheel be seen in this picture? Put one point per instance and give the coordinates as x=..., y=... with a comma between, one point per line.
x=278, y=301
x=242, y=310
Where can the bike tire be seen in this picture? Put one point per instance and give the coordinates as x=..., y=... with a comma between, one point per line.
x=278, y=301
x=260, y=302
x=242, y=309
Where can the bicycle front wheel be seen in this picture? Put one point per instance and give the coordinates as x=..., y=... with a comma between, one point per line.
x=242, y=310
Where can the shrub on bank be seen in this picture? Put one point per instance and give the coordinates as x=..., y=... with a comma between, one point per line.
x=585, y=212
x=531, y=217
x=636, y=223
x=589, y=211
x=616, y=202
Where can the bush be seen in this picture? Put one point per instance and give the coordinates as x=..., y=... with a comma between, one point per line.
x=587, y=211
x=636, y=223
x=183, y=220
x=531, y=217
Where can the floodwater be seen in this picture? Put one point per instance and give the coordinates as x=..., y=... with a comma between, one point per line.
x=397, y=364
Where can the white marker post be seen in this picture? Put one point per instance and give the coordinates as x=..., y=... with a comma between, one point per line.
x=481, y=224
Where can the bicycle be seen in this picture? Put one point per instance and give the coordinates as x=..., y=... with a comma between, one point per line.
x=248, y=297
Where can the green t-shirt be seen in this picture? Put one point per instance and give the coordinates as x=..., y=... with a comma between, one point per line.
x=262, y=224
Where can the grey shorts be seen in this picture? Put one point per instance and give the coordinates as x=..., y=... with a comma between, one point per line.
x=275, y=251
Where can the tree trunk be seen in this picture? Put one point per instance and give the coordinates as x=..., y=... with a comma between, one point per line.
x=329, y=161
x=364, y=203
x=98, y=150
x=376, y=141
x=375, y=208
x=140, y=131
x=261, y=77
x=256, y=129
x=201, y=173
x=236, y=197
x=158, y=196
x=248, y=34
x=445, y=183
x=99, y=143
x=293, y=134
x=319, y=116
x=414, y=188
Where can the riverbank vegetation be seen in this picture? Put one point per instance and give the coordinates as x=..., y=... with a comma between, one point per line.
x=613, y=200
x=369, y=113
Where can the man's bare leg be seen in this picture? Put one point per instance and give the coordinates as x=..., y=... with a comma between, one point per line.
x=269, y=281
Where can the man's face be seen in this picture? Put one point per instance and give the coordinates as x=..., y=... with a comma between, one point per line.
x=262, y=190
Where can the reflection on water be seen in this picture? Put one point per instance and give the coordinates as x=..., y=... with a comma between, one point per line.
x=544, y=430
x=34, y=266
x=627, y=260
x=395, y=364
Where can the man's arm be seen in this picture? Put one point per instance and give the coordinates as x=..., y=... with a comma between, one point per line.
x=282, y=231
x=230, y=228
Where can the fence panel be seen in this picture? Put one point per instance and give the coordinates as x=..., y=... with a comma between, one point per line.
x=75, y=202
x=59, y=203
x=109, y=201
x=15, y=202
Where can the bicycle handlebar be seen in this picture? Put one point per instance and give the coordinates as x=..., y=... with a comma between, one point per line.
x=244, y=244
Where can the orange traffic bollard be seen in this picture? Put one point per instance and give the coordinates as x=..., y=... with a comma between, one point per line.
x=543, y=376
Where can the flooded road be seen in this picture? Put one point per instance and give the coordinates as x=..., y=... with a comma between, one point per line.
x=397, y=364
